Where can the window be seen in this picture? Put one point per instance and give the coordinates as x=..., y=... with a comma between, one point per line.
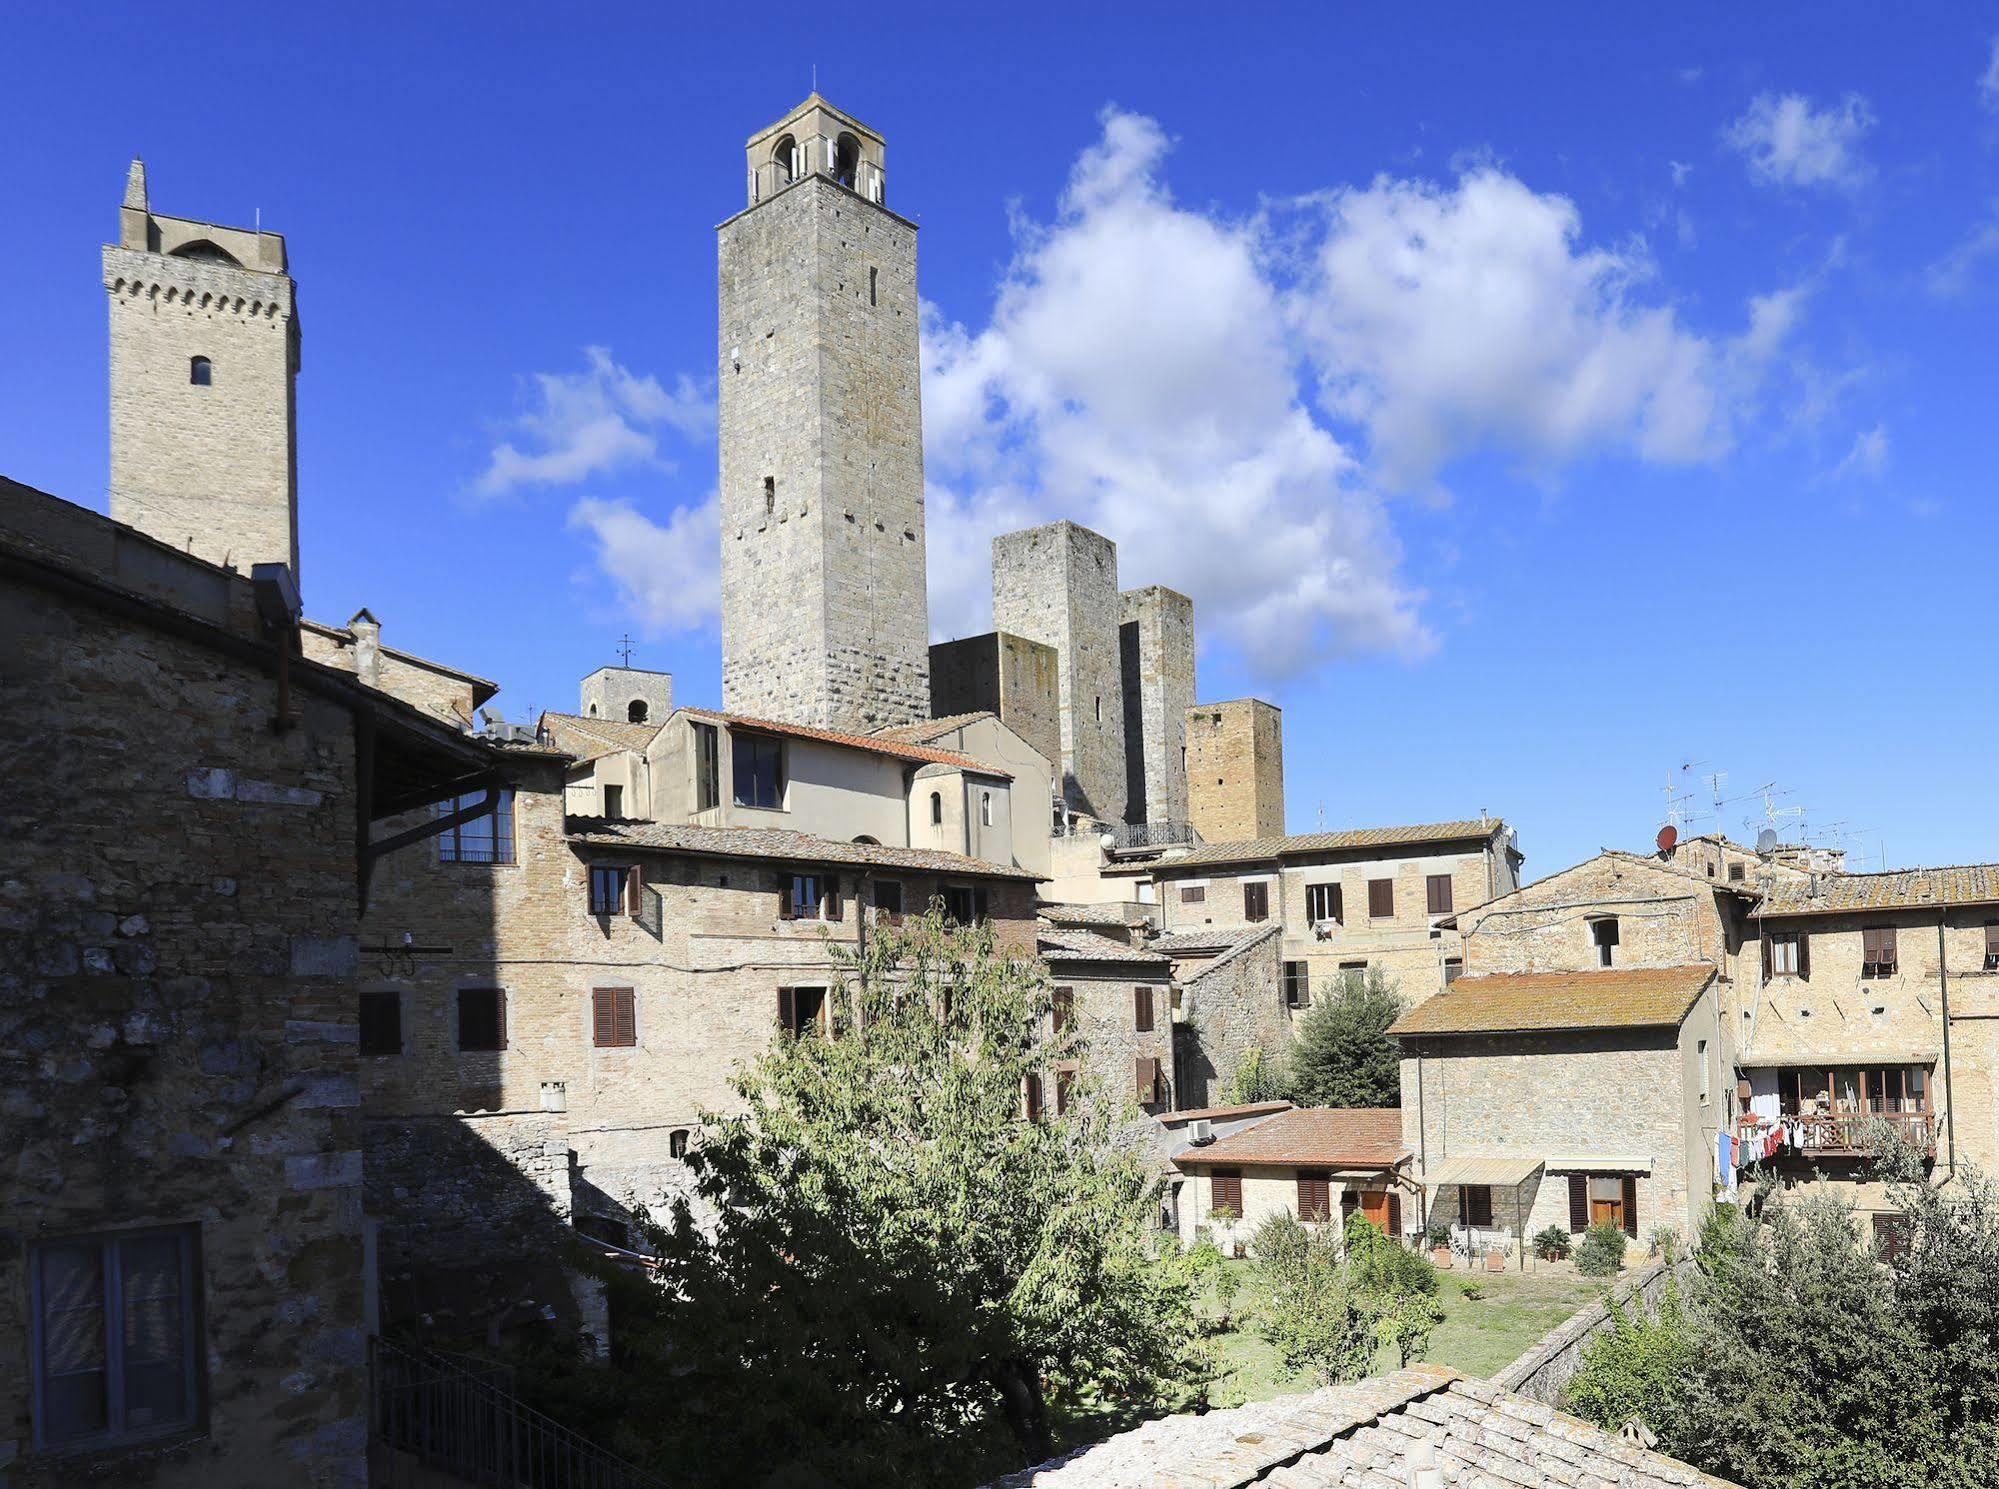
x=200, y=372
x=802, y=1010
x=1737, y=872
x=1146, y=1074
x=1357, y=969
x=1256, y=902
x=888, y=899
x=707, y=768
x=759, y=772
x=1297, y=985
x=1141, y=1009
x=1031, y=1097
x=1225, y=1192
x=487, y=838
x=482, y=1019
x=613, y=1018
x=1877, y=951
x=1323, y=903
x=1315, y=1194
x=1438, y=888
x=1454, y=968
x=614, y=801
x=964, y=905
x=785, y=157
x=1599, y=1199
x=1065, y=1081
x=1193, y=894
x=1475, y=1204
x=805, y=896
x=676, y=1143
x=114, y=1336
x=871, y=286
x=381, y=1023
x=1787, y=955
x=1992, y=946
x=1064, y=1012
x=936, y=808
x=1700, y=1054
x=614, y=889
x=985, y=809
x=1603, y=935
x=770, y=496
x=1380, y=899
x=636, y=711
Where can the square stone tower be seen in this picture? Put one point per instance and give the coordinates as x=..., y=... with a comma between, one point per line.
x=1057, y=584
x=628, y=695
x=204, y=362
x=825, y=618
x=1235, y=770
x=1156, y=657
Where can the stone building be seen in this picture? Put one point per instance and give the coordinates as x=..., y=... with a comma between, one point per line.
x=1156, y=663
x=631, y=694
x=204, y=358
x=1317, y=1164
x=183, y=1293
x=1235, y=770
x=1007, y=676
x=1119, y=996
x=825, y=617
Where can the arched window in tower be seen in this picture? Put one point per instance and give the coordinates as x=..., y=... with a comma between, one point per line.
x=784, y=160
x=846, y=160
x=636, y=711
x=985, y=809
x=936, y=808
x=200, y=372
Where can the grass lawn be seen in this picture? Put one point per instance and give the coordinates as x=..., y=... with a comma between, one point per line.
x=1479, y=1337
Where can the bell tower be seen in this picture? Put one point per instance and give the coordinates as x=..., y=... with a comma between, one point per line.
x=825, y=619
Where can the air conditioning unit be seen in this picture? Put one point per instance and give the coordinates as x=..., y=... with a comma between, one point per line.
x=1201, y=1131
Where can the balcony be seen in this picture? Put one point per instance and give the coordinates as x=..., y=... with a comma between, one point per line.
x=1847, y=1134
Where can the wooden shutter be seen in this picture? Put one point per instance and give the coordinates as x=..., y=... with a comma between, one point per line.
x=1578, y=1203
x=787, y=1010
x=1146, y=1074
x=1477, y=1204
x=634, y=889
x=1339, y=903
x=1033, y=1083
x=830, y=900
x=1141, y=1009
x=1380, y=899
x=1804, y=956
x=603, y=1017
x=1064, y=1079
x=1438, y=888
x=1064, y=999
x=1631, y=1206
x=1315, y=1193
x=499, y=1018
x=1225, y=1191
x=1394, y=1213
x=1992, y=945
x=785, y=911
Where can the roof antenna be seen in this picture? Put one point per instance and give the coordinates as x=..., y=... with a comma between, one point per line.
x=815, y=77
x=624, y=648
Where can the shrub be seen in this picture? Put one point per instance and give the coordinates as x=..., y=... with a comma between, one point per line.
x=1602, y=1250
x=1473, y=1291
x=1279, y=1244
x=1665, y=1242
x=1634, y=1368
x=1552, y=1244
x=1437, y=1235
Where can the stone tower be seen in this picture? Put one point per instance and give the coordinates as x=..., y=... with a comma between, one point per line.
x=628, y=695
x=204, y=362
x=1235, y=770
x=1156, y=657
x=825, y=619
x=1057, y=584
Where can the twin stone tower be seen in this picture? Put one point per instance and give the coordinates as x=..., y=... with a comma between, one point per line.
x=824, y=611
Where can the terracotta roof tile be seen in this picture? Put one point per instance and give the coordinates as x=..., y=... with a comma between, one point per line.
x=765, y=842
x=1326, y=1136
x=925, y=730
x=613, y=734
x=1087, y=946
x=1901, y=889
x=1252, y=850
x=1522, y=1002
x=1109, y=912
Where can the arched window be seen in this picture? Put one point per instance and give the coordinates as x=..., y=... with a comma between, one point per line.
x=936, y=808
x=676, y=1143
x=870, y=841
x=985, y=809
x=199, y=372
x=846, y=160
x=636, y=711
x=593, y=710
x=785, y=158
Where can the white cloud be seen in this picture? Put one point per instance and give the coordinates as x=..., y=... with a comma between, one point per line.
x=1788, y=142
x=1951, y=274
x=1988, y=84
x=1868, y=457
x=667, y=575
x=584, y=424
x=1681, y=171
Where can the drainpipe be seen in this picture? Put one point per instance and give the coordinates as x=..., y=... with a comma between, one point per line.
x=1949, y=1093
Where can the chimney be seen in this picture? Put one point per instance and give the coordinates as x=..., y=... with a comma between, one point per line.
x=1423, y=1470
x=367, y=647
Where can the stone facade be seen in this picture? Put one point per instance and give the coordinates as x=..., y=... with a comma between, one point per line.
x=1156, y=656
x=1231, y=1003
x=1005, y=675
x=824, y=607
x=1105, y=1000
x=627, y=694
x=1235, y=770
x=204, y=357
x=1057, y=585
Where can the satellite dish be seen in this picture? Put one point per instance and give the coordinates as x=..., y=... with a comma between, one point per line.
x=1668, y=836
x=1766, y=840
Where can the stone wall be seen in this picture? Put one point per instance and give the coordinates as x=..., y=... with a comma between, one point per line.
x=1544, y=1369
x=1105, y=1010
x=1235, y=770
x=1665, y=919
x=610, y=692
x=1002, y=674
x=1233, y=1005
x=1156, y=657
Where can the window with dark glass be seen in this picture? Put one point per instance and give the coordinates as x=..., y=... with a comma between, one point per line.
x=381, y=1023
x=676, y=1143
x=801, y=895
x=1322, y=903
x=759, y=771
x=802, y=1010
x=487, y=838
x=1297, y=984
x=482, y=1019
x=964, y=904
x=888, y=898
x=200, y=372
x=613, y=889
x=707, y=767
x=114, y=1337
x=1193, y=894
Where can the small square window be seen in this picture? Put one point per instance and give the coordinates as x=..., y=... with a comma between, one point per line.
x=487, y=838
x=482, y=1019
x=382, y=1023
x=613, y=889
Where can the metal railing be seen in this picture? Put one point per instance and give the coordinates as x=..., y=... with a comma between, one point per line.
x=432, y=1420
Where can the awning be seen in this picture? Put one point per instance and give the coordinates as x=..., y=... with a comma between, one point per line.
x=1504, y=1173
x=1599, y=1163
x=1860, y=1053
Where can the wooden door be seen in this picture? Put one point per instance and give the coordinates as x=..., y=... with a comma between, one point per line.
x=1374, y=1205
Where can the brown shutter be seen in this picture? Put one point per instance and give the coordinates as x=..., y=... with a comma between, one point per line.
x=1339, y=904
x=785, y=910
x=634, y=891
x=831, y=899
x=1394, y=1213
x=1225, y=1191
x=1381, y=899
x=628, y=1016
x=603, y=1018
x=1141, y=1007
x=1804, y=956
x=1578, y=1203
x=1033, y=1083
x=1768, y=960
x=787, y=1009
x=1064, y=999
x=1631, y=1206
x=1478, y=1204
x=1146, y=1072
x=1064, y=1079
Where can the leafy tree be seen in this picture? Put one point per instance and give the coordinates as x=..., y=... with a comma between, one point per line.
x=1343, y=1055
x=1311, y=1313
x=1397, y=1288
x=1602, y=1251
x=1257, y=1078
x=899, y=1270
x=1633, y=1368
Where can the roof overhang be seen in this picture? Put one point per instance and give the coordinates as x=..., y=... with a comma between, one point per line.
x=1498, y=1171
x=1599, y=1163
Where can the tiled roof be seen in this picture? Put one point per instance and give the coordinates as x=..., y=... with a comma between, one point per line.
x=765, y=842
x=1109, y=912
x=925, y=730
x=343, y=632
x=1360, y=1137
x=1252, y=850
x=1902, y=889
x=1087, y=946
x=1372, y=1434
x=608, y=734
x=1221, y=1113
x=1522, y=1002
x=878, y=744
x=1218, y=938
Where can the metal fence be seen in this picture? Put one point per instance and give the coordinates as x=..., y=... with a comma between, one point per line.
x=435, y=1421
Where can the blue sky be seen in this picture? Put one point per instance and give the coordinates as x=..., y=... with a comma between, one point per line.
x=1533, y=403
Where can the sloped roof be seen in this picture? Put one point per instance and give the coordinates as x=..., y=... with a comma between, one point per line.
x=1251, y=850
x=1210, y=939
x=1109, y=912
x=925, y=730
x=874, y=743
x=1087, y=946
x=1324, y=1136
x=1219, y=1113
x=792, y=847
x=1900, y=889
x=482, y=687
x=588, y=738
x=1524, y=1002
x=1371, y=1434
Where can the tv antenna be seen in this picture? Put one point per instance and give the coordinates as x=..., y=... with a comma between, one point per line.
x=1677, y=812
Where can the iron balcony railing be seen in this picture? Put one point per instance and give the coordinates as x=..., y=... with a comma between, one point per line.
x=433, y=1420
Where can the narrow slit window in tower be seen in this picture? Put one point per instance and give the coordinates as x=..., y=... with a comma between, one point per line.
x=770, y=495
x=200, y=372
x=871, y=288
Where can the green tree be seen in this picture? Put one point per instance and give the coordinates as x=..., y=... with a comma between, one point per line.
x=898, y=1271
x=1308, y=1308
x=1343, y=1055
x=1257, y=1078
x=1634, y=1368
x=1397, y=1288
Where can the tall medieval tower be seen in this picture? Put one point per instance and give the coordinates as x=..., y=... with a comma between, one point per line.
x=825, y=618
x=204, y=358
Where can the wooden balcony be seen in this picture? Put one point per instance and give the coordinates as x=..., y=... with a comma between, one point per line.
x=1849, y=1134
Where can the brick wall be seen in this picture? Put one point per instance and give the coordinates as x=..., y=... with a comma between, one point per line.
x=1235, y=770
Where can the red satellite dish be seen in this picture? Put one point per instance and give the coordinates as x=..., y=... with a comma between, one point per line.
x=1668, y=836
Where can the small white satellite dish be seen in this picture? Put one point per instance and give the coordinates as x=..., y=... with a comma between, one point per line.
x=1766, y=840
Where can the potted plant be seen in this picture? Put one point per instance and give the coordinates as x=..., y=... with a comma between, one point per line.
x=1438, y=1238
x=1552, y=1244
x=1495, y=1257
